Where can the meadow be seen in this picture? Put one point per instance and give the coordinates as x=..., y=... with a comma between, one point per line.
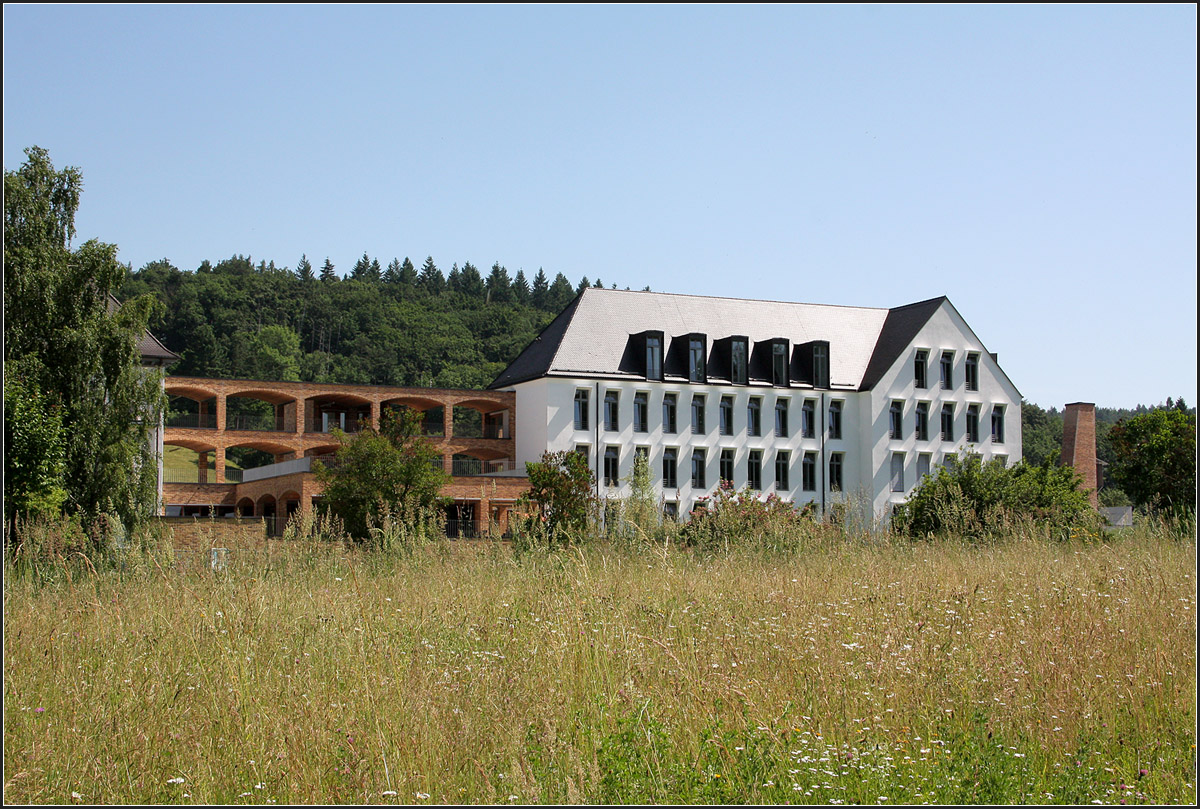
x=853, y=672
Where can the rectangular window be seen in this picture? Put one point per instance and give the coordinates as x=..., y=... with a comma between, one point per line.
x=699, y=458
x=922, y=466
x=835, y=472
x=612, y=401
x=950, y=462
x=897, y=471
x=835, y=419
x=641, y=408
x=1001, y=459
x=947, y=370
x=754, y=417
x=808, y=472
x=972, y=372
x=696, y=368
x=671, y=510
x=947, y=422
x=726, y=415
x=997, y=424
x=782, y=461
x=739, y=350
x=808, y=418
x=612, y=466
x=727, y=465
x=581, y=410
x=973, y=423
x=668, y=412
x=781, y=413
x=779, y=365
x=896, y=420
x=919, y=368
x=821, y=365
x=754, y=470
x=585, y=451
x=922, y=421
x=654, y=369
x=698, y=414
x=669, y=468
x=642, y=455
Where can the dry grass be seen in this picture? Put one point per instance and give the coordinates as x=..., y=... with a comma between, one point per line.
x=1025, y=671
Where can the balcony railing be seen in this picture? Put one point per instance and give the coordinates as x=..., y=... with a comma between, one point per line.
x=474, y=466
x=261, y=423
x=352, y=425
x=200, y=477
x=201, y=421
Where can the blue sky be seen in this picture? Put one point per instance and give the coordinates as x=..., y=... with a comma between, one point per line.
x=1035, y=164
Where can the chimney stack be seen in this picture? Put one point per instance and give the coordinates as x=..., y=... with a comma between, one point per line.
x=1079, y=445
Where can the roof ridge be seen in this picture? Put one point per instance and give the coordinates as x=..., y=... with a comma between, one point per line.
x=744, y=300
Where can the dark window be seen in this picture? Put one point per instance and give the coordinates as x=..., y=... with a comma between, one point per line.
x=835, y=472
x=585, y=451
x=669, y=464
x=668, y=412
x=641, y=454
x=820, y=365
x=726, y=415
x=698, y=460
x=808, y=418
x=782, y=461
x=947, y=422
x=779, y=364
x=754, y=470
x=808, y=472
x=581, y=410
x=781, y=413
x=835, y=419
x=897, y=471
x=612, y=466
x=739, y=349
x=997, y=424
x=947, y=370
x=972, y=372
x=654, y=358
x=922, y=466
x=727, y=465
x=754, y=417
x=919, y=368
x=950, y=462
x=612, y=400
x=896, y=420
x=671, y=510
x=922, y=421
x=696, y=369
x=641, y=404
x=973, y=424
x=698, y=414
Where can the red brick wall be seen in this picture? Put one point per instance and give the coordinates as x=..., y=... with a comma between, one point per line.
x=1079, y=444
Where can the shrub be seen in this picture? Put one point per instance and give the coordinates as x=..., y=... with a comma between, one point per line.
x=732, y=519
x=560, y=500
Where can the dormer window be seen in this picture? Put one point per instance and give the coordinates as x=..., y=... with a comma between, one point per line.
x=739, y=349
x=779, y=364
x=697, y=351
x=654, y=357
x=821, y=365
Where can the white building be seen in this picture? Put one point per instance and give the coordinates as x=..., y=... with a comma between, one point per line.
x=809, y=401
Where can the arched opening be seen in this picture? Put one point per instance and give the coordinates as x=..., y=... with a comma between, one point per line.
x=461, y=521
x=242, y=458
x=479, y=463
x=245, y=507
x=263, y=411
x=480, y=418
x=329, y=412
x=289, y=507
x=191, y=409
x=189, y=462
x=265, y=508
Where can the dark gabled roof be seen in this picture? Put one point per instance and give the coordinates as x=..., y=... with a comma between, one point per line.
x=149, y=346
x=538, y=357
x=897, y=334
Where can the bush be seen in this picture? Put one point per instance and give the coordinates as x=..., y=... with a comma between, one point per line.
x=560, y=502
x=732, y=519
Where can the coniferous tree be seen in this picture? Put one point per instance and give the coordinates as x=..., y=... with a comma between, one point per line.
x=304, y=270
x=454, y=279
x=472, y=281
x=520, y=288
x=559, y=294
x=599, y=284
x=374, y=272
x=431, y=278
x=392, y=274
x=408, y=273
x=327, y=273
x=539, y=290
x=498, y=285
x=584, y=284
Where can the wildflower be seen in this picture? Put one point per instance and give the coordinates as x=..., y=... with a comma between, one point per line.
x=391, y=793
x=39, y=710
x=1144, y=773
x=422, y=796
x=76, y=796
x=178, y=780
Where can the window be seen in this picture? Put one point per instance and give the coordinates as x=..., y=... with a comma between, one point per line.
x=779, y=365
x=669, y=463
x=1001, y=459
x=947, y=370
x=612, y=466
x=782, y=461
x=699, y=458
x=821, y=365
x=972, y=372
x=696, y=369
x=668, y=412
x=897, y=471
x=642, y=454
x=808, y=472
x=835, y=472
x=947, y=422
x=808, y=418
x=922, y=465
x=754, y=470
x=671, y=510
x=641, y=407
x=585, y=451
x=922, y=421
x=973, y=423
x=698, y=414
x=950, y=462
x=654, y=368
x=726, y=415
x=739, y=349
x=835, y=419
x=612, y=400
x=919, y=368
x=997, y=424
x=896, y=420
x=781, y=413
x=581, y=410
x=727, y=465
x=754, y=417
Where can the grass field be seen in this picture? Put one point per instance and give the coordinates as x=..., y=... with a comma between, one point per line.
x=1020, y=672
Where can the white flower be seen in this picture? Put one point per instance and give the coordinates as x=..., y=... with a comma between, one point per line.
x=76, y=795
x=389, y=793
x=422, y=796
x=178, y=780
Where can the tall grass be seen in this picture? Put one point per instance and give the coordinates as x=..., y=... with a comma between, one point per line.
x=852, y=672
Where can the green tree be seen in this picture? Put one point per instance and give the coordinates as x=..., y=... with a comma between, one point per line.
x=1156, y=459
x=76, y=346
x=276, y=354
x=539, y=290
x=327, y=272
x=387, y=471
x=1041, y=434
x=304, y=270
x=562, y=491
x=431, y=278
x=520, y=288
x=499, y=285
x=34, y=451
x=559, y=294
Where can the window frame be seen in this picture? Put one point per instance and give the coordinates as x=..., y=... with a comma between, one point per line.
x=654, y=357
x=808, y=419
x=699, y=465
x=641, y=412
x=698, y=414
x=835, y=419
x=808, y=472
x=612, y=453
x=754, y=416
x=971, y=371
x=670, y=419
x=697, y=360
x=612, y=411
x=973, y=424
x=780, y=377
x=836, y=471
x=897, y=472
x=726, y=415
x=896, y=420
x=783, y=463
x=922, y=421
x=781, y=417
x=998, y=419
x=947, y=423
x=670, y=474
x=582, y=409
x=728, y=462
x=754, y=470
x=921, y=369
x=946, y=367
x=739, y=361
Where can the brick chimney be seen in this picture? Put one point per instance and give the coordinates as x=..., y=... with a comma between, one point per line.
x=1079, y=445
